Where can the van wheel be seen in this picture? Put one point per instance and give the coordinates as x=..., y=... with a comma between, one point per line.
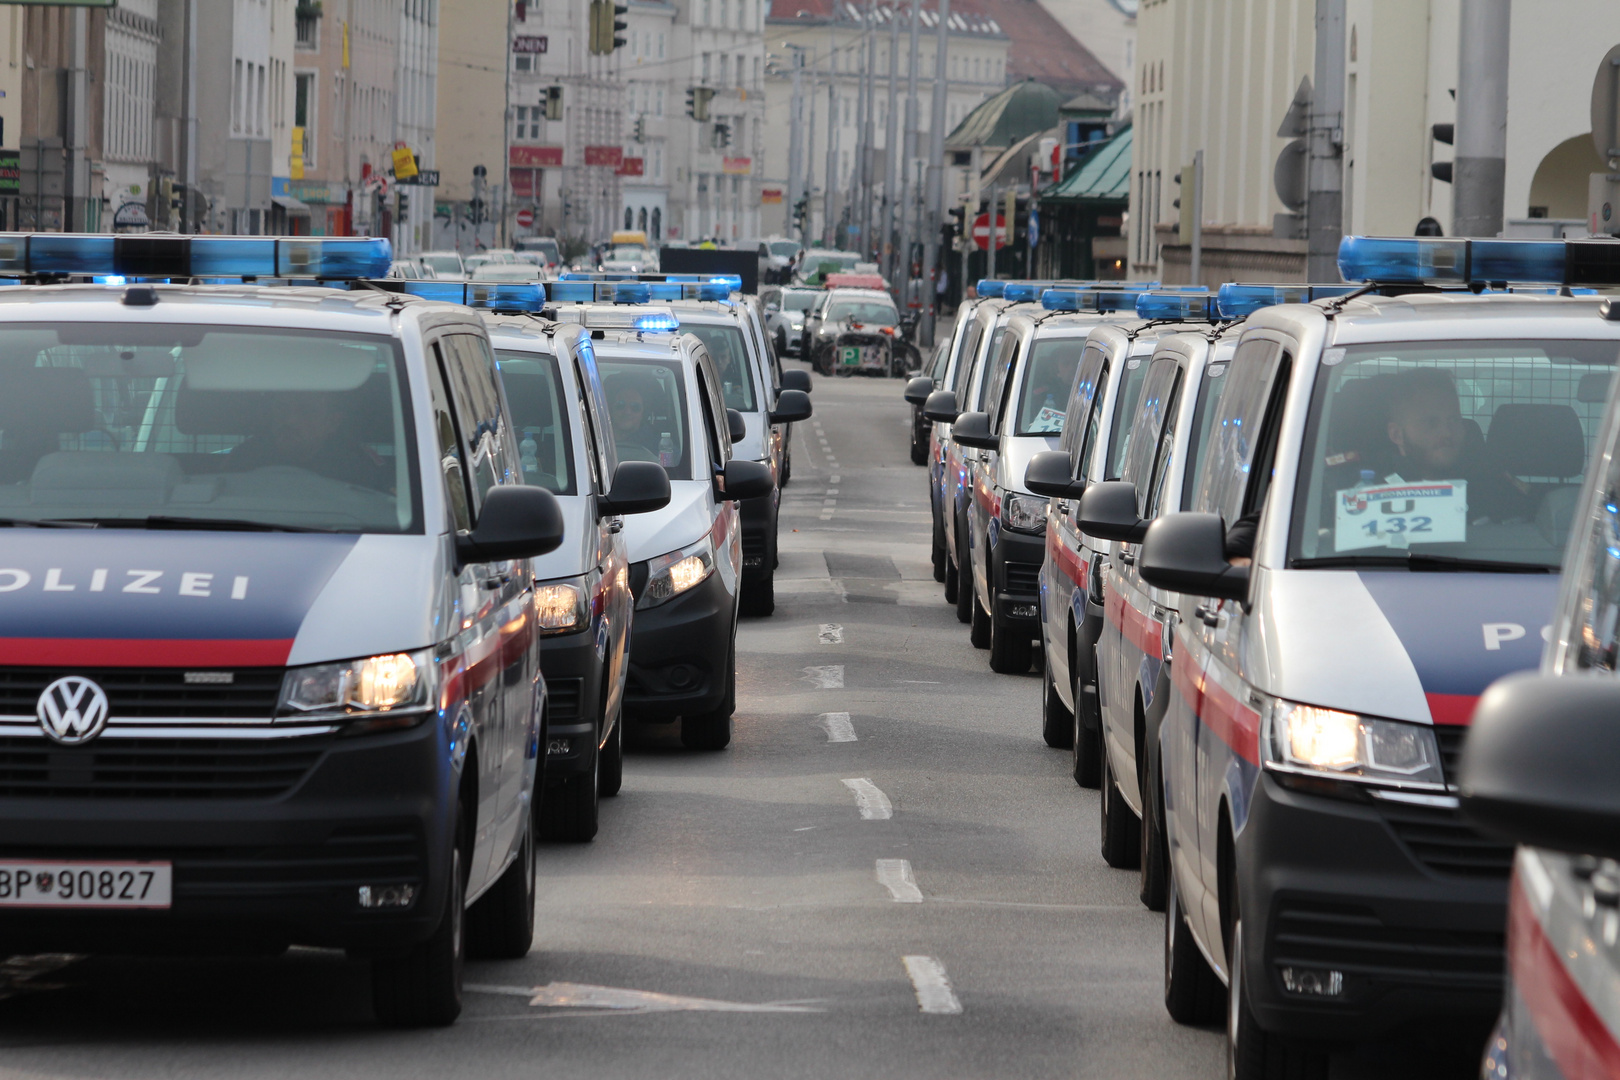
x=1252, y=1053
x=712, y=730
x=568, y=804
x=500, y=926
x=610, y=775
x=422, y=988
x=1010, y=650
x=919, y=447
x=978, y=621
x=1057, y=722
x=938, y=553
x=1087, y=754
x=953, y=580
x=964, y=580
x=1192, y=993
x=1121, y=832
x=759, y=594
x=1155, y=845
x=787, y=463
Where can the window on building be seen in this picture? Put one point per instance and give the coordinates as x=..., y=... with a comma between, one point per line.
x=259, y=109
x=661, y=49
x=706, y=20
x=236, y=98
x=304, y=103
x=307, y=27
x=723, y=59
x=705, y=67
x=660, y=109
x=522, y=121
x=523, y=63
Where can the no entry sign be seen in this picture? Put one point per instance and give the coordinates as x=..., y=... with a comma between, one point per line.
x=981, y=230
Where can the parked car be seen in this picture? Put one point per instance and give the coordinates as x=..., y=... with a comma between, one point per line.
x=785, y=309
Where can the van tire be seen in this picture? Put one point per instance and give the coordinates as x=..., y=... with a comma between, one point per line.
x=1057, y=722
x=787, y=459
x=610, y=774
x=569, y=803
x=1192, y=993
x=1010, y=650
x=422, y=988
x=978, y=621
x=500, y=925
x=1252, y=1053
x=759, y=594
x=953, y=580
x=938, y=551
x=1154, y=892
x=712, y=730
x=1121, y=831
x=964, y=578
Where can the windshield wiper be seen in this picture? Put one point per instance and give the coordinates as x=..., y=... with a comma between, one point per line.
x=48, y=523
x=168, y=521
x=1423, y=561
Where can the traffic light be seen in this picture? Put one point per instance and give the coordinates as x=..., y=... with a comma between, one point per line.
x=640, y=133
x=554, y=103
x=475, y=210
x=404, y=202
x=697, y=102
x=722, y=136
x=1443, y=133
x=801, y=212
x=616, y=24
x=605, y=26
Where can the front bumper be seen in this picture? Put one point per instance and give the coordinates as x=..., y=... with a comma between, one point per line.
x=1015, y=577
x=572, y=664
x=758, y=525
x=679, y=652
x=254, y=873
x=1407, y=902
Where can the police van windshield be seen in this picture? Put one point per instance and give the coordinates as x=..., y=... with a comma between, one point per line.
x=1457, y=453
x=647, y=408
x=444, y=264
x=1209, y=392
x=1052, y=363
x=1119, y=432
x=534, y=395
x=172, y=425
x=725, y=344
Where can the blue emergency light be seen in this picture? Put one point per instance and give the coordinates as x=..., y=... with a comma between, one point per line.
x=989, y=288
x=1119, y=296
x=661, y=322
x=637, y=292
x=730, y=283
x=1437, y=260
x=1238, y=300
x=1161, y=304
x=155, y=256
x=488, y=295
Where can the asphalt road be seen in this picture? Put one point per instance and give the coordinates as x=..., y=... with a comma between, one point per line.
x=886, y=875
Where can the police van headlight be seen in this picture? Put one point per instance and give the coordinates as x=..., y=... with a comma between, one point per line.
x=670, y=575
x=1023, y=513
x=394, y=683
x=560, y=607
x=1346, y=746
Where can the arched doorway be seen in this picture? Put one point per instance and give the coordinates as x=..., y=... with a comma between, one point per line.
x=629, y=218
x=1559, y=187
x=641, y=219
x=657, y=224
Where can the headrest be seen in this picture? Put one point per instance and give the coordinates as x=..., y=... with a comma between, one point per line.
x=46, y=399
x=1360, y=424
x=1537, y=440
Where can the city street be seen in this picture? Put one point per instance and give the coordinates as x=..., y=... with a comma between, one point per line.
x=886, y=874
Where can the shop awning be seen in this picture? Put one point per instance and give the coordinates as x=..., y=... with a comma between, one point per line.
x=1104, y=176
x=290, y=204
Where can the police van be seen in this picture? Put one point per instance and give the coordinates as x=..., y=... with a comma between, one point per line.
x=271, y=649
x=666, y=405
x=583, y=601
x=1376, y=534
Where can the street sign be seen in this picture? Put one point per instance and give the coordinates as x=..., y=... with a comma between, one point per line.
x=981, y=230
x=525, y=218
x=531, y=44
x=424, y=178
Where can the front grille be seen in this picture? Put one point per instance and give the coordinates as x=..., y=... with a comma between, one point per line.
x=153, y=693
x=1024, y=578
x=1353, y=939
x=1440, y=840
x=563, y=698
x=157, y=768
x=1450, y=737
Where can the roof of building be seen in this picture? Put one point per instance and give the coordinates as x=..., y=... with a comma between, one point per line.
x=1014, y=114
x=1106, y=174
x=1040, y=48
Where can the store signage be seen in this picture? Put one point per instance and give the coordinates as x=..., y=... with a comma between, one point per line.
x=536, y=157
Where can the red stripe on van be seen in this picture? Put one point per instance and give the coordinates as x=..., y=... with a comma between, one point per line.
x=1574, y=1034
x=145, y=652
x=1454, y=709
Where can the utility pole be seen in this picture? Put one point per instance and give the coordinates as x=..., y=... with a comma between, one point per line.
x=993, y=216
x=1478, y=172
x=796, y=185
x=76, y=202
x=188, y=107
x=1324, y=208
x=829, y=233
x=970, y=211
x=891, y=145
x=933, y=258
x=909, y=153
x=868, y=114
x=1196, y=197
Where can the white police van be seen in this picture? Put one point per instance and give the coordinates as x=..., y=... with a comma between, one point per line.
x=583, y=601
x=666, y=405
x=1376, y=534
x=271, y=672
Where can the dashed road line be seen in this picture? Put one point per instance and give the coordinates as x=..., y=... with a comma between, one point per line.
x=872, y=803
x=933, y=986
x=896, y=876
x=837, y=727
x=830, y=634
x=826, y=676
x=566, y=995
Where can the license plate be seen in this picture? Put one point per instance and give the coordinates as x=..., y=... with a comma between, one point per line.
x=47, y=884
x=850, y=356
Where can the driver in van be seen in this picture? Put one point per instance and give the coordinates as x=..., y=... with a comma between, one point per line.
x=314, y=431
x=1431, y=442
x=627, y=406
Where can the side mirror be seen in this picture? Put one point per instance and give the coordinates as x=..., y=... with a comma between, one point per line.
x=518, y=521
x=1048, y=474
x=1108, y=512
x=918, y=389
x=973, y=429
x=1539, y=763
x=771, y=309
x=735, y=425
x=1186, y=552
x=639, y=487
x=747, y=479
x=941, y=407
x=791, y=407
x=1609, y=310
x=797, y=379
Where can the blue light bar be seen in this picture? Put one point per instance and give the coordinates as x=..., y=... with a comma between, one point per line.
x=1118, y=297
x=1238, y=300
x=1447, y=261
x=1176, y=305
x=731, y=282
x=488, y=295
x=690, y=290
x=989, y=288
x=657, y=323
x=148, y=255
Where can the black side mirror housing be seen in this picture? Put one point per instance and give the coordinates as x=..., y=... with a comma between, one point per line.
x=1539, y=763
x=1186, y=552
x=746, y=479
x=918, y=389
x=735, y=425
x=797, y=379
x=1108, y=512
x=791, y=407
x=639, y=487
x=1048, y=474
x=973, y=429
x=941, y=407
x=518, y=521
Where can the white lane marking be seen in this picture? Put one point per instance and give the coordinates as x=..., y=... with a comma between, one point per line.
x=918, y=682
x=872, y=803
x=566, y=995
x=831, y=634
x=895, y=875
x=826, y=677
x=835, y=478
x=837, y=726
x=928, y=978
x=829, y=502
x=832, y=491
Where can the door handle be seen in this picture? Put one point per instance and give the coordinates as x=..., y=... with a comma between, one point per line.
x=1127, y=557
x=1207, y=615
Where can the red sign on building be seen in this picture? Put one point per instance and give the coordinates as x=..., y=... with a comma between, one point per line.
x=524, y=182
x=632, y=166
x=609, y=156
x=536, y=157
x=737, y=166
x=529, y=43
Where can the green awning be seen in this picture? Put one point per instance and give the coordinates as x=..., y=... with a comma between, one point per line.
x=1000, y=121
x=1105, y=175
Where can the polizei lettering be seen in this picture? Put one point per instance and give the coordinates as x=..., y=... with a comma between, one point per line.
x=197, y=583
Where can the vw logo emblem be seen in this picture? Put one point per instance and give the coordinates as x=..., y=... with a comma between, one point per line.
x=72, y=710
